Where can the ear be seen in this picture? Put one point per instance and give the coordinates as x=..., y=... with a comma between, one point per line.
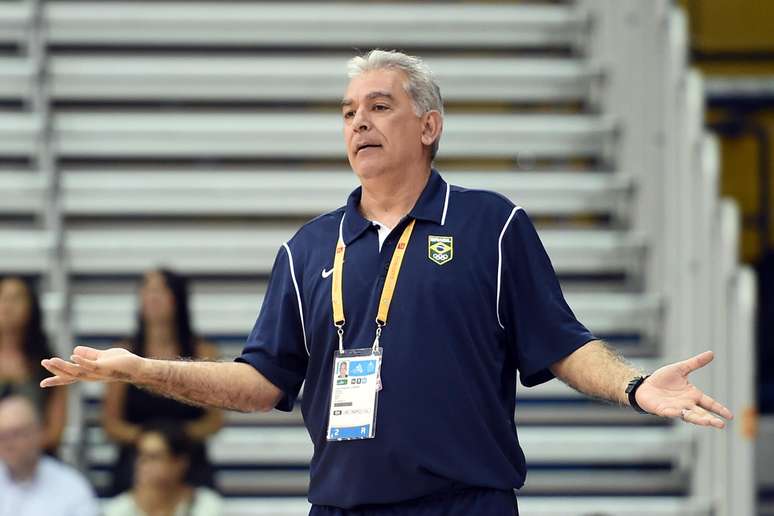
x=432, y=125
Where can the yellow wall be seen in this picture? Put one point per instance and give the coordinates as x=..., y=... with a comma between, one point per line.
x=736, y=38
x=731, y=25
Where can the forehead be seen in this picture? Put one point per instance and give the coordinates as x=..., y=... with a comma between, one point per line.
x=12, y=286
x=386, y=81
x=152, y=441
x=154, y=278
x=16, y=414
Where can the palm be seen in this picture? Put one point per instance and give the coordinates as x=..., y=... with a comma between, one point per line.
x=114, y=361
x=89, y=364
x=668, y=393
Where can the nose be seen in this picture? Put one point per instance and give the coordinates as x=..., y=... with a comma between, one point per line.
x=361, y=121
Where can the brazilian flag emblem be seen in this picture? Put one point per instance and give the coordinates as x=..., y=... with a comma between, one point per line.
x=440, y=249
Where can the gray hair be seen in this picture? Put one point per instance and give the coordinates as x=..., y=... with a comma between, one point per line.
x=420, y=83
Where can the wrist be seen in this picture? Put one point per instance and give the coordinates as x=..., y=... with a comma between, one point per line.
x=631, y=391
x=145, y=372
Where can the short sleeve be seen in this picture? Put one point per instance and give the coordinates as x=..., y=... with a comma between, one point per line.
x=276, y=346
x=76, y=495
x=532, y=309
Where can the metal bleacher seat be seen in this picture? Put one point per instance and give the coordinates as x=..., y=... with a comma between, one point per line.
x=15, y=22
x=211, y=248
x=19, y=134
x=218, y=313
x=308, y=192
x=25, y=251
x=306, y=78
x=533, y=505
x=304, y=25
x=18, y=76
x=21, y=193
x=261, y=447
x=310, y=135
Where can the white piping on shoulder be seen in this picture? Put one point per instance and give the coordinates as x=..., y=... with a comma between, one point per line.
x=298, y=294
x=341, y=226
x=445, y=205
x=500, y=261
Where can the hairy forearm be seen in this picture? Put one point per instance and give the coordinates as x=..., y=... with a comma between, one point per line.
x=225, y=385
x=597, y=370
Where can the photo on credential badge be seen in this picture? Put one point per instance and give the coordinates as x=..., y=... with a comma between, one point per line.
x=343, y=370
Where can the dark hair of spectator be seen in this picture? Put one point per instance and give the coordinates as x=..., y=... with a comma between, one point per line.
x=177, y=441
x=178, y=285
x=36, y=346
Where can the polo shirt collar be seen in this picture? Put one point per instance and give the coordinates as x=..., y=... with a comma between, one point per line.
x=431, y=206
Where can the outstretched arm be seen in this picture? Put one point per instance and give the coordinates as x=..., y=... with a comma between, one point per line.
x=599, y=371
x=227, y=385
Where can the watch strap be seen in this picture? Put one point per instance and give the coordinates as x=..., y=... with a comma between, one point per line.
x=631, y=391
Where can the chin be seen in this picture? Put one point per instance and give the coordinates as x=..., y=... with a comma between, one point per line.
x=368, y=168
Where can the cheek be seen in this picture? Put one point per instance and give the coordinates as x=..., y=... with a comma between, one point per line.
x=168, y=303
x=407, y=136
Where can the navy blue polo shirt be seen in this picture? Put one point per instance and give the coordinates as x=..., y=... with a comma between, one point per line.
x=464, y=318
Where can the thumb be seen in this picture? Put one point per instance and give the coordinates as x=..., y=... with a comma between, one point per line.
x=87, y=352
x=697, y=362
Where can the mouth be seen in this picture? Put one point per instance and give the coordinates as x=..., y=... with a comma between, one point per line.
x=367, y=146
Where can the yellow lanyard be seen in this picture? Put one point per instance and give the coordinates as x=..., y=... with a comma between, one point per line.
x=388, y=290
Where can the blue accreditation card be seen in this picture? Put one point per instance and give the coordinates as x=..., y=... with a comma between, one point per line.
x=354, y=394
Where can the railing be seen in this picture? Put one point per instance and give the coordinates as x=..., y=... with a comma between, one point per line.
x=693, y=238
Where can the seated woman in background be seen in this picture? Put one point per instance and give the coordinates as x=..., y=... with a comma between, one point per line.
x=23, y=344
x=160, y=488
x=164, y=331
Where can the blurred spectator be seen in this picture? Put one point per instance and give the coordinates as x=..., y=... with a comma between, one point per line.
x=23, y=344
x=164, y=330
x=163, y=459
x=32, y=484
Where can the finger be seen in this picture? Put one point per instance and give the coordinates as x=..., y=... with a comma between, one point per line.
x=710, y=404
x=53, y=369
x=701, y=417
x=55, y=381
x=670, y=412
x=696, y=362
x=69, y=368
x=85, y=363
x=86, y=352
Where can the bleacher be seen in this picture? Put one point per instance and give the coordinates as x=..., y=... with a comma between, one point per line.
x=199, y=135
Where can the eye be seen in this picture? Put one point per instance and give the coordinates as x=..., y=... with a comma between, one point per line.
x=380, y=107
x=349, y=114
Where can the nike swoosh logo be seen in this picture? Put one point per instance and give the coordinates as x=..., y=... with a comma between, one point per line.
x=325, y=273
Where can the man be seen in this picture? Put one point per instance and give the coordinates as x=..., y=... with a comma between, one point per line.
x=436, y=295
x=31, y=484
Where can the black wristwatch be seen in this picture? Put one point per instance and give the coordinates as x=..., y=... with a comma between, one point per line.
x=631, y=390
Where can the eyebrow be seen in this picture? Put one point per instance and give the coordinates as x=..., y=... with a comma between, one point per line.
x=370, y=96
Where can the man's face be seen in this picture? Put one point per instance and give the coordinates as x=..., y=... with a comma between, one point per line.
x=381, y=130
x=20, y=437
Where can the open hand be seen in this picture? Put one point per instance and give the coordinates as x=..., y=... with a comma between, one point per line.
x=89, y=364
x=668, y=393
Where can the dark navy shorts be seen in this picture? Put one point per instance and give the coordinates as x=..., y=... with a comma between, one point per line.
x=469, y=502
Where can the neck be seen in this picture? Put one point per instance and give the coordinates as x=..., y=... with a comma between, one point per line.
x=159, y=335
x=390, y=196
x=11, y=338
x=159, y=499
x=24, y=473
